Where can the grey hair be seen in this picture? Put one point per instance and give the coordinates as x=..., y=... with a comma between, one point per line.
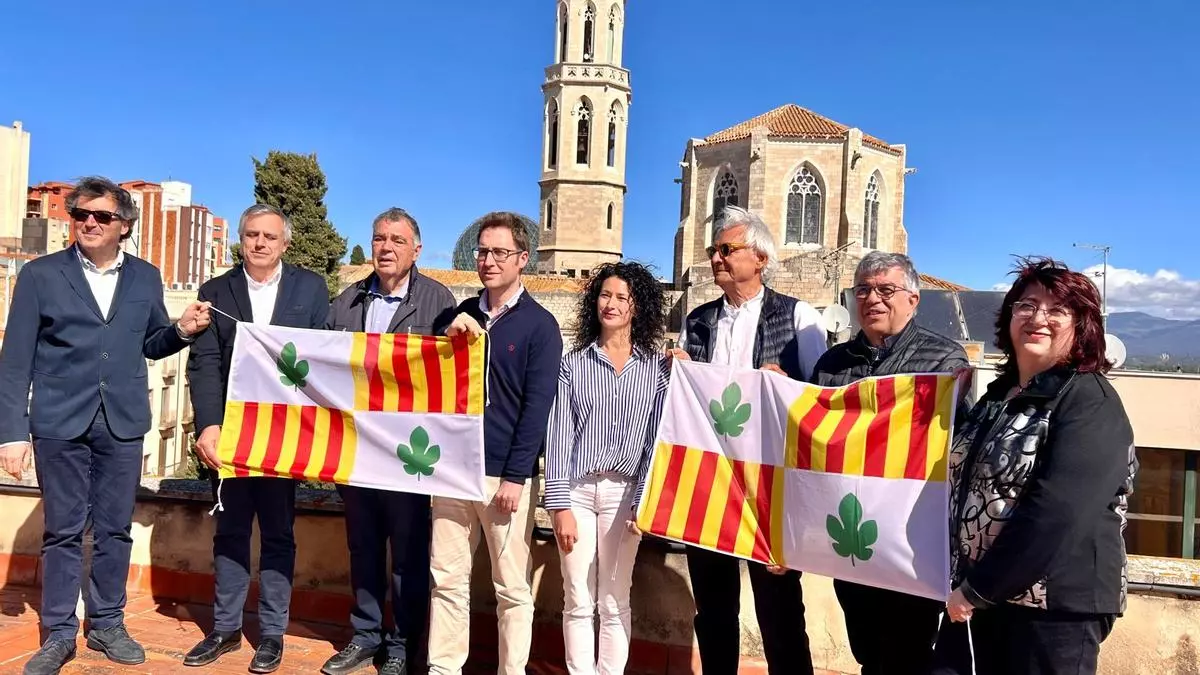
x=265, y=210
x=94, y=187
x=758, y=234
x=879, y=262
x=395, y=215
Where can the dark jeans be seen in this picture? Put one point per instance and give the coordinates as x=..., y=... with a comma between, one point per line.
x=93, y=477
x=273, y=501
x=890, y=633
x=1011, y=640
x=778, y=603
x=378, y=521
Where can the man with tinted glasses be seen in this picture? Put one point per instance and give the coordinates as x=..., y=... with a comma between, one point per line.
x=890, y=632
x=83, y=322
x=525, y=351
x=261, y=290
x=752, y=326
x=396, y=298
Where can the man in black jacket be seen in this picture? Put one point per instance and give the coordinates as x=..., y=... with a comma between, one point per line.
x=750, y=326
x=394, y=299
x=261, y=290
x=889, y=631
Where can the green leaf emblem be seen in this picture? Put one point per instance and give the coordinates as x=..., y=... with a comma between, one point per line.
x=852, y=538
x=728, y=416
x=418, y=456
x=291, y=371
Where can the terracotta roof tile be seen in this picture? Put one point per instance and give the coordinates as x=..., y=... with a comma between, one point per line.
x=940, y=284
x=792, y=121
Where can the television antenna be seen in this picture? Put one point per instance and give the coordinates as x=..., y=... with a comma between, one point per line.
x=835, y=318
x=1114, y=350
x=1104, y=249
x=832, y=264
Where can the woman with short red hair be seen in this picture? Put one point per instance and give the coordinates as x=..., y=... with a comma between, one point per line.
x=1040, y=470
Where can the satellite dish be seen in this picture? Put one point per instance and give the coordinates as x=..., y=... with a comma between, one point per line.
x=836, y=318
x=1114, y=350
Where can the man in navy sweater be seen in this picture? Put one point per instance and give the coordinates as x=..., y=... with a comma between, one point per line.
x=525, y=351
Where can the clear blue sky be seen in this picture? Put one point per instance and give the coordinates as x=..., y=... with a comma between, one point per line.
x=1032, y=124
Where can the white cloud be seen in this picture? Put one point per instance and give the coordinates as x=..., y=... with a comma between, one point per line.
x=1165, y=293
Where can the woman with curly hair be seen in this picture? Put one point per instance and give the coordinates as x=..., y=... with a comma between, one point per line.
x=1040, y=470
x=611, y=387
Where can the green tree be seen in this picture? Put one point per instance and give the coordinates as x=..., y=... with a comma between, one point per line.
x=357, y=257
x=295, y=184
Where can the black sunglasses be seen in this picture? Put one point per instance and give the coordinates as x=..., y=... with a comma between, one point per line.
x=103, y=217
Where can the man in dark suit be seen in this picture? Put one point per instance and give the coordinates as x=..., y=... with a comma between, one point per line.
x=394, y=299
x=82, y=323
x=261, y=290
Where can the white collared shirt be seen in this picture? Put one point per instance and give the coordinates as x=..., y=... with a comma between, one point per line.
x=503, y=309
x=102, y=282
x=737, y=329
x=262, y=296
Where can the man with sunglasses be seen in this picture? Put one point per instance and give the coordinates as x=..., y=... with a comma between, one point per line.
x=889, y=631
x=83, y=322
x=524, y=355
x=752, y=326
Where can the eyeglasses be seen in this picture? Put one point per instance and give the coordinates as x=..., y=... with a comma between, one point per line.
x=103, y=217
x=1025, y=311
x=885, y=291
x=498, y=254
x=725, y=249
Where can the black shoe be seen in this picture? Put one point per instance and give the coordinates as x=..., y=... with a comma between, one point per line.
x=51, y=658
x=212, y=647
x=116, y=645
x=268, y=656
x=352, y=657
x=394, y=666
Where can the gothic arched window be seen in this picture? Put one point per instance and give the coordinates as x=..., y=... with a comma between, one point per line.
x=562, y=33
x=613, y=113
x=725, y=192
x=589, y=34
x=583, y=133
x=804, y=208
x=871, y=213
x=610, y=216
x=552, y=135
x=613, y=15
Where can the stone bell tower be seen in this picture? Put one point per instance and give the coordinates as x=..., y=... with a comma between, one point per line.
x=587, y=97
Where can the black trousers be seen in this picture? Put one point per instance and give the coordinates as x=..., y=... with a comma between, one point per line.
x=890, y=633
x=273, y=501
x=93, y=477
x=778, y=603
x=379, y=521
x=1011, y=640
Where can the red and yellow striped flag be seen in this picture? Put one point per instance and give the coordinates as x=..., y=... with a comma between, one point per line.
x=884, y=427
x=415, y=373
x=708, y=499
x=292, y=441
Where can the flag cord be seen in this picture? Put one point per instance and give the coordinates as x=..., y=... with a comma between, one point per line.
x=487, y=366
x=219, y=506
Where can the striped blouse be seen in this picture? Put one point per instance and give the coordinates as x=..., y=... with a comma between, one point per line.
x=603, y=422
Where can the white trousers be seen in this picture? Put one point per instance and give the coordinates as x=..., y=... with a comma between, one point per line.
x=597, y=574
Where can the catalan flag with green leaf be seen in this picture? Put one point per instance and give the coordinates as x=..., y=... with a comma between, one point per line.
x=848, y=482
x=391, y=411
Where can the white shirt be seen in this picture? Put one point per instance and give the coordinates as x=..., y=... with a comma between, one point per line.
x=508, y=304
x=737, y=328
x=262, y=296
x=102, y=282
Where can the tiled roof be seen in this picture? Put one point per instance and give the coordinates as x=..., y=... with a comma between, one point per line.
x=794, y=122
x=940, y=284
x=534, y=283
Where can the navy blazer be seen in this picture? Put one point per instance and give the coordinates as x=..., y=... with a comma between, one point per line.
x=76, y=359
x=301, y=302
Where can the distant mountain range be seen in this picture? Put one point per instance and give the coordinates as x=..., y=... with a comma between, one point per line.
x=1147, y=338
